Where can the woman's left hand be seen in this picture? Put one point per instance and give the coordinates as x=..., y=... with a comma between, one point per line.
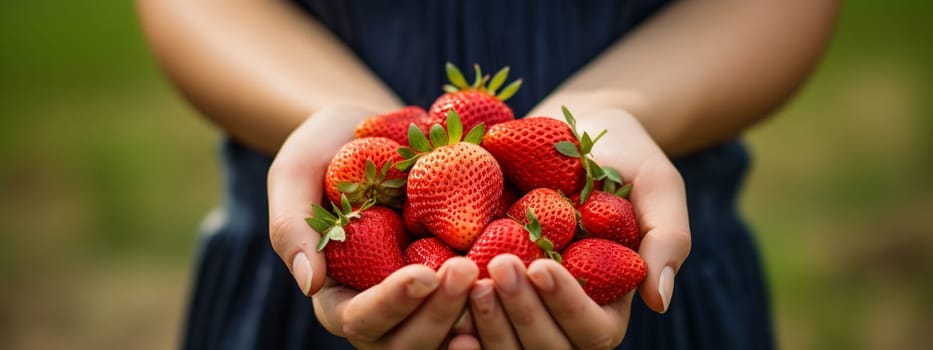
x=543, y=306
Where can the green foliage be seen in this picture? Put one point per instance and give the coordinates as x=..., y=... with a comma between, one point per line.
x=475, y=136
x=454, y=126
x=455, y=76
x=481, y=82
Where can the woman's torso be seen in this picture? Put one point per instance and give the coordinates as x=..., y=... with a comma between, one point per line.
x=407, y=43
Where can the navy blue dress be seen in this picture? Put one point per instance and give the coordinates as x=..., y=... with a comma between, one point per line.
x=245, y=298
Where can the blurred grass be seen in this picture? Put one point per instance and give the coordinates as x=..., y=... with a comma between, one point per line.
x=105, y=176
x=106, y=173
x=841, y=195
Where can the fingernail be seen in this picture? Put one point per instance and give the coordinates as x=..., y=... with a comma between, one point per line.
x=301, y=270
x=421, y=286
x=542, y=280
x=509, y=281
x=483, y=300
x=461, y=320
x=453, y=282
x=666, y=287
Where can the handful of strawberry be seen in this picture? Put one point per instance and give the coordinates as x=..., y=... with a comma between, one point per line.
x=526, y=187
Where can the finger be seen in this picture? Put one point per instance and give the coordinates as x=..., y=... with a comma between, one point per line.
x=464, y=324
x=430, y=324
x=295, y=181
x=492, y=326
x=586, y=324
x=529, y=318
x=660, y=204
x=329, y=305
x=464, y=342
x=375, y=311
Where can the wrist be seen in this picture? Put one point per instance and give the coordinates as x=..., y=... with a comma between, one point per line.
x=606, y=107
x=590, y=102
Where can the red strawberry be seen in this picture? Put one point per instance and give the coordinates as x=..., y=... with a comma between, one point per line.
x=453, y=187
x=394, y=125
x=507, y=236
x=509, y=196
x=606, y=270
x=363, y=169
x=525, y=150
x=555, y=212
x=476, y=103
x=543, y=152
x=428, y=251
x=412, y=222
x=362, y=246
x=608, y=216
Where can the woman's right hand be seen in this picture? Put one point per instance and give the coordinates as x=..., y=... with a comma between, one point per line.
x=414, y=308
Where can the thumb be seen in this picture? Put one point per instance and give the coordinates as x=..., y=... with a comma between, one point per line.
x=661, y=208
x=295, y=181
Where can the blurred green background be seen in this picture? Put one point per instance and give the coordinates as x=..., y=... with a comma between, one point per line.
x=106, y=174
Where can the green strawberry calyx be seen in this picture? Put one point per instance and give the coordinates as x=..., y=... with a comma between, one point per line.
x=419, y=144
x=577, y=216
x=375, y=186
x=533, y=226
x=330, y=223
x=611, y=178
x=459, y=83
x=617, y=188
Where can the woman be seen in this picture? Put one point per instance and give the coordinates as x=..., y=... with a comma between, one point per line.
x=669, y=81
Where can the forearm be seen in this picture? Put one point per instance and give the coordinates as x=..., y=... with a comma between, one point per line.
x=256, y=68
x=700, y=72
